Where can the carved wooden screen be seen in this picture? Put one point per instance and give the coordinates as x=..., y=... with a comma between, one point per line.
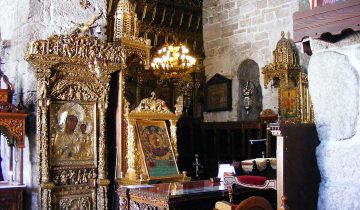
x=72, y=74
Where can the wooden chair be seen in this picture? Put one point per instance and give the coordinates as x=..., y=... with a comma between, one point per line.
x=254, y=203
x=251, y=203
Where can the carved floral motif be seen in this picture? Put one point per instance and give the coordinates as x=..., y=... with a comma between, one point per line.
x=16, y=128
x=78, y=46
x=83, y=203
x=73, y=176
x=70, y=90
x=152, y=104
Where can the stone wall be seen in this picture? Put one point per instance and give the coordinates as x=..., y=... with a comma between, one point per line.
x=334, y=88
x=22, y=21
x=235, y=31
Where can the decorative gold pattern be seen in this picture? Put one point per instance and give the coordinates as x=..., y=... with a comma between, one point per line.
x=16, y=128
x=294, y=98
x=81, y=28
x=82, y=47
x=127, y=32
x=152, y=105
x=75, y=203
x=73, y=176
x=63, y=75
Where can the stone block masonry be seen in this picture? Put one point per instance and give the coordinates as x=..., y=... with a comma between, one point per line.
x=251, y=30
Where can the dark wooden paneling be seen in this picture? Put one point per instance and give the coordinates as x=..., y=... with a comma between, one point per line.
x=12, y=198
x=301, y=172
x=216, y=142
x=332, y=19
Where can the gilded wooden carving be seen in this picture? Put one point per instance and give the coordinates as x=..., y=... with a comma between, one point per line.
x=294, y=99
x=73, y=73
x=127, y=35
x=127, y=32
x=12, y=124
x=147, y=138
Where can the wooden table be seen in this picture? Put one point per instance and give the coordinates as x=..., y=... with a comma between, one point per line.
x=193, y=195
x=11, y=196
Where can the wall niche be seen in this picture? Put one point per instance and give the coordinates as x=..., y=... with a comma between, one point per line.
x=250, y=94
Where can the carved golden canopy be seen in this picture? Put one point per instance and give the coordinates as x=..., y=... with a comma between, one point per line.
x=294, y=99
x=285, y=63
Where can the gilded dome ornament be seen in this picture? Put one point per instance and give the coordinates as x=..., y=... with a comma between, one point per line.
x=294, y=99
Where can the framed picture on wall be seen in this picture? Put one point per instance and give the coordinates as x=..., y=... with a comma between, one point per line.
x=218, y=94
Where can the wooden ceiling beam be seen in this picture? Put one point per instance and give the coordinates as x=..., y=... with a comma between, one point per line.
x=178, y=4
x=156, y=28
x=181, y=19
x=163, y=15
x=189, y=22
x=144, y=12
x=153, y=14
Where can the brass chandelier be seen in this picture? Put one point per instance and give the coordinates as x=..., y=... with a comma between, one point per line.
x=173, y=62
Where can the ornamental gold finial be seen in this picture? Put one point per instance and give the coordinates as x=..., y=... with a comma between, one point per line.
x=282, y=34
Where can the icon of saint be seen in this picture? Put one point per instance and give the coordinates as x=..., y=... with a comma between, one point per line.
x=65, y=139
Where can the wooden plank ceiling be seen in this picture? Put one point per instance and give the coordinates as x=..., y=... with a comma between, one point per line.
x=168, y=21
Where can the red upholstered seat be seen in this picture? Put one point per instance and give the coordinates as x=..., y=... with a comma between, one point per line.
x=253, y=180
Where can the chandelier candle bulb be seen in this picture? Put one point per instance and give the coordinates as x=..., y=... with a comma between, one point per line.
x=173, y=62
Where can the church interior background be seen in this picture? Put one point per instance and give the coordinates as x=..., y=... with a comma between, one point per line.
x=86, y=110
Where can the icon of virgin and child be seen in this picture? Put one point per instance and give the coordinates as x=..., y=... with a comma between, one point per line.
x=73, y=134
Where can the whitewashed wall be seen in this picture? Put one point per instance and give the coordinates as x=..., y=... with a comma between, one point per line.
x=334, y=87
x=22, y=21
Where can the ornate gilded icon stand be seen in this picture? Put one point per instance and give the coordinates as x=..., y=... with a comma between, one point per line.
x=294, y=99
x=12, y=126
x=126, y=34
x=73, y=73
x=151, y=153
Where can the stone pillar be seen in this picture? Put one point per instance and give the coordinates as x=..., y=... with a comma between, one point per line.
x=334, y=88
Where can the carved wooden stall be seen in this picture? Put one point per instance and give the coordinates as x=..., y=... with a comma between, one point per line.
x=12, y=126
x=73, y=73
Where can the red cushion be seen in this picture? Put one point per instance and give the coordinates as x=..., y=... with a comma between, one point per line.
x=233, y=207
x=254, y=180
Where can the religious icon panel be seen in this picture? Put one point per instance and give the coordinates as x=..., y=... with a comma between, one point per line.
x=72, y=133
x=155, y=144
x=288, y=101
